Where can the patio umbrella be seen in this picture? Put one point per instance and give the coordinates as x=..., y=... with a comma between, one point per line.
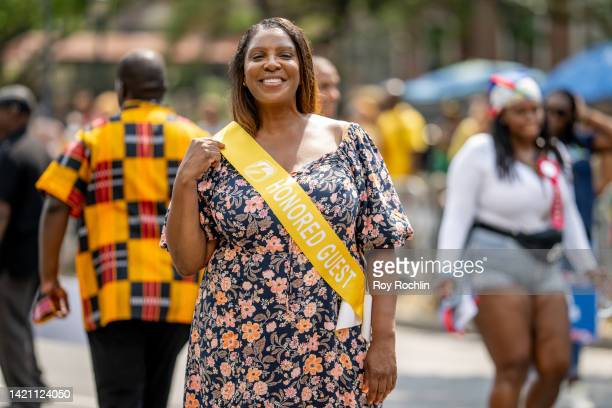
x=460, y=80
x=589, y=74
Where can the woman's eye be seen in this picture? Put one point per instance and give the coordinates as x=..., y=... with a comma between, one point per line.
x=256, y=57
x=287, y=56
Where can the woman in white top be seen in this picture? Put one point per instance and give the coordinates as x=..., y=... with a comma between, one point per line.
x=500, y=185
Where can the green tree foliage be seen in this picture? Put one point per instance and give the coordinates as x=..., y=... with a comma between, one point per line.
x=19, y=16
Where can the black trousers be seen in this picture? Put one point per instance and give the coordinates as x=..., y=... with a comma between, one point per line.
x=134, y=360
x=17, y=358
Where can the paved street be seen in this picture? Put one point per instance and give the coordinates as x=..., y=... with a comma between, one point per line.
x=435, y=369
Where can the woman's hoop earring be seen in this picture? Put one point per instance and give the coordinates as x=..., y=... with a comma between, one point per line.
x=540, y=142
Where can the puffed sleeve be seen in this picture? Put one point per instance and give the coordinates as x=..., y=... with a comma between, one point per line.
x=381, y=222
x=206, y=219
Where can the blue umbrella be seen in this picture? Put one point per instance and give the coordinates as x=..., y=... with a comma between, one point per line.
x=460, y=80
x=589, y=74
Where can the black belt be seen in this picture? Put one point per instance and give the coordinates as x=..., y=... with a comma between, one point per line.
x=543, y=245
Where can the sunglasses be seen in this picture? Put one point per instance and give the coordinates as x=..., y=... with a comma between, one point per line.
x=562, y=113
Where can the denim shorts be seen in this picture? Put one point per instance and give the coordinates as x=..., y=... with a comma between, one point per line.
x=510, y=265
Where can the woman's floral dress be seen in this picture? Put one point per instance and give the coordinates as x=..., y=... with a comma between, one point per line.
x=263, y=329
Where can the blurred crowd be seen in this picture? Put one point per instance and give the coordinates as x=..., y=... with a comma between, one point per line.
x=418, y=143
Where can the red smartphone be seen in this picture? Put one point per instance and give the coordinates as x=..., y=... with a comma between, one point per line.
x=44, y=309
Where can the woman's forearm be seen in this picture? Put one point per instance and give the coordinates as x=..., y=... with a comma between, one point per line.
x=599, y=121
x=383, y=315
x=383, y=306
x=185, y=238
x=602, y=125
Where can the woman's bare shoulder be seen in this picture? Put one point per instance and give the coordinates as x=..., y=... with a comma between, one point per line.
x=337, y=128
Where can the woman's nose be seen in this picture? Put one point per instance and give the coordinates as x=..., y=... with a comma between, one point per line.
x=272, y=63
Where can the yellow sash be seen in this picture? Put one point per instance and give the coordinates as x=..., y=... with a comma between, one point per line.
x=298, y=214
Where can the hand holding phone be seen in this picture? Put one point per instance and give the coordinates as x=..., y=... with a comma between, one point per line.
x=52, y=301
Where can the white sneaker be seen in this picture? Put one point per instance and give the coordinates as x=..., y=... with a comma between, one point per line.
x=575, y=395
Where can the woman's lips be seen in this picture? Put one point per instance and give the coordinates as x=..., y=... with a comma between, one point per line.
x=272, y=82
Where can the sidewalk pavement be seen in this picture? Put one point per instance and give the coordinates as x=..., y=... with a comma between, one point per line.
x=435, y=370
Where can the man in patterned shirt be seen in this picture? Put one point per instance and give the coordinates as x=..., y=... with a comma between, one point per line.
x=116, y=178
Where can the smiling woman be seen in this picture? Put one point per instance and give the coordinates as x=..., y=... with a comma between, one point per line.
x=276, y=318
x=271, y=54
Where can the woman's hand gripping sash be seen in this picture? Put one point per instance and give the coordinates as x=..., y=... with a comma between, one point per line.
x=304, y=222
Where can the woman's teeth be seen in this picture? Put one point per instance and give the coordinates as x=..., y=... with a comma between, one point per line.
x=272, y=81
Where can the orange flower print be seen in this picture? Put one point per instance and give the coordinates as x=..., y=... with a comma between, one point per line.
x=306, y=394
x=246, y=308
x=282, y=298
x=195, y=336
x=342, y=334
x=191, y=401
x=229, y=254
x=303, y=325
x=277, y=285
x=226, y=284
x=220, y=297
x=290, y=392
x=226, y=369
x=295, y=372
x=360, y=357
x=253, y=204
x=228, y=319
x=367, y=226
x=270, y=327
x=260, y=388
x=313, y=342
x=350, y=231
x=310, y=309
x=313, y=365
x=374, y=179
x=274, y=245
x=336, y=372
x=311, y=277
x=286, y=365
x=195, y=382
x=348, y=399
x=301, y=258
x=230, y=341
x=253, y=374
x=329, y=325
x=251, y=331
x=227, y=392
x=346, y=361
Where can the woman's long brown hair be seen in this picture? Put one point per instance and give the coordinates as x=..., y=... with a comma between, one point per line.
x=244, y=108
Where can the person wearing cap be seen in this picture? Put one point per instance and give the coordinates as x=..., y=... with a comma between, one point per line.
x=22, y=160
x=328, y=80
x=507, y=193
x=117, y=178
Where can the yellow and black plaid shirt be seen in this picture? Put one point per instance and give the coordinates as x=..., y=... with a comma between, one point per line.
x=117, y=179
